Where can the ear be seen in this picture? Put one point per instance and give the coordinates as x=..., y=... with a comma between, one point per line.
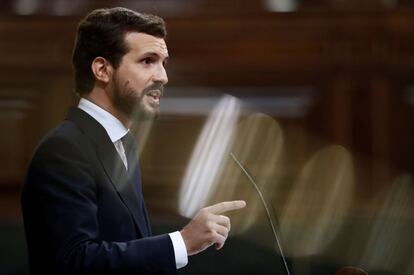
x=102, y=69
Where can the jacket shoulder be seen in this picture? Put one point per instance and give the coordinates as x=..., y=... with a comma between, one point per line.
x=66, y=137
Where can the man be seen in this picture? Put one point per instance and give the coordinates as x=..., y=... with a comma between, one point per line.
x=82, y=202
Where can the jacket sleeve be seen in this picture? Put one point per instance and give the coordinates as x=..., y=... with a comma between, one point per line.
x=60, y=217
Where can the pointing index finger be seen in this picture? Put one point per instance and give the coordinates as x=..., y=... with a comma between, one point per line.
x=226, y=206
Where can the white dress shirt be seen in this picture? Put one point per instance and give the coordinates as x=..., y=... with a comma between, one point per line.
x=116, y=130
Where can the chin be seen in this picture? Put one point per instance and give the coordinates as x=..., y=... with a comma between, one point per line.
x=146, y=114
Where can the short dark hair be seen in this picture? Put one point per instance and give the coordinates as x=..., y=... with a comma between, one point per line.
x=102, y=33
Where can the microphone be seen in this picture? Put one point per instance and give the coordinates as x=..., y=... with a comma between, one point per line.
x=269, y=218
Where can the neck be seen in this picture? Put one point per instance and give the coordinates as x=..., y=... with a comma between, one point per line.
x=103, y=100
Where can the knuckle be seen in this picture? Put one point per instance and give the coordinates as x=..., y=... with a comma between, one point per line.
x=210, y=228
x=212, y=236
x=209, y=225
x=203, y=215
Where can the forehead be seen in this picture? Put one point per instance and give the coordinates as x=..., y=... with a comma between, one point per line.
x=142, y=43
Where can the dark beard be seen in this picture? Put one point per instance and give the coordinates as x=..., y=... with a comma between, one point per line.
x=125, y=99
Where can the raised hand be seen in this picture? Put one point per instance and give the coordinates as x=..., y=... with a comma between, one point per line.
x=209, y=227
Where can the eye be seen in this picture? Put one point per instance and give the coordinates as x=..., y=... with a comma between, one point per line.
x=147, y=60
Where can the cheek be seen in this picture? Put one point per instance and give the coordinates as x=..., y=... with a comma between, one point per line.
x=138, y=80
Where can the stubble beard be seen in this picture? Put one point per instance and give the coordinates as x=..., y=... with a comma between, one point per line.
x=131, y=103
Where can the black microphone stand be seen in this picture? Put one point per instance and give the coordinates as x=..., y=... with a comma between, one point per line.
x=251, y=180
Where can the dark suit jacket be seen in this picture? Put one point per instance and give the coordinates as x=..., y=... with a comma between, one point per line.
x=82, y=212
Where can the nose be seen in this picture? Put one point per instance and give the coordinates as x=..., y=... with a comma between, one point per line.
x=161, y=75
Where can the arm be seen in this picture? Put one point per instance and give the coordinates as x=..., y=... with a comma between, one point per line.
x=60, y=215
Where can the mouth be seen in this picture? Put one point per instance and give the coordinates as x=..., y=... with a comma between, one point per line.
x=154, y=98
x=154, y=94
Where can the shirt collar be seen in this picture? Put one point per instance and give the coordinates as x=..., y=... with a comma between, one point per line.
x=115, y=129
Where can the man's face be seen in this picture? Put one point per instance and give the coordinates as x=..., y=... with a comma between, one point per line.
x=140, y=78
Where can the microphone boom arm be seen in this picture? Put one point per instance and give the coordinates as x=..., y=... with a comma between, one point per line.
x=251, y=180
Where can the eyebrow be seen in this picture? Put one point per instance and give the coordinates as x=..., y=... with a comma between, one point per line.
x=166, y=58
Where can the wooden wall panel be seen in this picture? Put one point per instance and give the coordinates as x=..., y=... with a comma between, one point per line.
x=357, y=62
x=17, y=107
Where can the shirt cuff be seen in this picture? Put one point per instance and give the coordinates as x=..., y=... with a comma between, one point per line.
x=180, y=251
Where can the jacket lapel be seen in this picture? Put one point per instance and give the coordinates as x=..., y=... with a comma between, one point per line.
x=113, y=166
x=124, y=184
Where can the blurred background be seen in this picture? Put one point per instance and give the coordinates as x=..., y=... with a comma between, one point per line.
x=314, y=97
